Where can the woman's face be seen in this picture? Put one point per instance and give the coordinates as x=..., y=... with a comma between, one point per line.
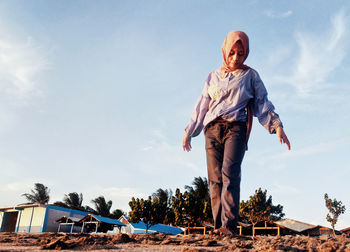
x=236, y=56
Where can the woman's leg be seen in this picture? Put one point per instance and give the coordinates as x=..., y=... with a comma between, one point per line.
x=215, y=152
x=234, y=149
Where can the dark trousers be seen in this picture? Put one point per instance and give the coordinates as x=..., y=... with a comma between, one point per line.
x=225, y=144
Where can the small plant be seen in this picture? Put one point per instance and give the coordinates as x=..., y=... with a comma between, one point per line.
x=335, y=208
x=259, y=208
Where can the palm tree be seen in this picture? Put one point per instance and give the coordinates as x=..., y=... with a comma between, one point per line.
x=72, y=200
x=117, y=213
x=200, y=191
x=102, y=207
x=89, y=209
x=40, y=194
x=164, y=196
x=201, y=187
x=165, y=202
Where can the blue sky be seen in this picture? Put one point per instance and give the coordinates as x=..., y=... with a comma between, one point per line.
x=95, y=95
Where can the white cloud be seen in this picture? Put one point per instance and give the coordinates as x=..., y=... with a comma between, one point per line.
x=319, y=56
x=313, y=149
x=22, y=64
x=7, y=118
x=14, y=186
x=284, y=189
x=9, y=168
x=279, y=55
x=124, y=192
x=21, y=186
x=277, y=161
x=309, y=74
x=11, y=192
x=147, y=148
x=120, y=196
x=161, y=154
x=272, y=14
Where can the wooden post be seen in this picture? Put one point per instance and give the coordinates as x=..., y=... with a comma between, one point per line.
x=278, y=231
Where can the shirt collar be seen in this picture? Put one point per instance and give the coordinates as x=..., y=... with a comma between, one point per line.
x=234, y=73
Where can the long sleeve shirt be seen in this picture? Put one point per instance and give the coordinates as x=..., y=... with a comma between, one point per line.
x=227, y=96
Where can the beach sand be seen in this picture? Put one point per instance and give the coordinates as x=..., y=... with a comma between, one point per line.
x=163, y=242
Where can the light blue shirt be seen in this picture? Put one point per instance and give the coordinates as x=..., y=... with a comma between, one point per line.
x=228, y=96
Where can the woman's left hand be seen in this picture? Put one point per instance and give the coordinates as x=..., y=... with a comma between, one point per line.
x=186, y=142
x=282, y=137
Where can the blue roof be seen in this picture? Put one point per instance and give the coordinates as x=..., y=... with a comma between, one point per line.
x=161, y=228
x=107, y=220
x=166, y=229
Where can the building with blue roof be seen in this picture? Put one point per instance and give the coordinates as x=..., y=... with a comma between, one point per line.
x=140, y=227
x=95, y=223
x=34, y=218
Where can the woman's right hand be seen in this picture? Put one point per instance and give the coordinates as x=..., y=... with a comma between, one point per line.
x=186, y=142
x=282, y=137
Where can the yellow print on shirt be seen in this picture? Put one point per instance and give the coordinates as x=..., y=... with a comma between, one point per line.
x=214, y=92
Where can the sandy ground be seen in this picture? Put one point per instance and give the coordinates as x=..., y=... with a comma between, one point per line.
x=162, y=242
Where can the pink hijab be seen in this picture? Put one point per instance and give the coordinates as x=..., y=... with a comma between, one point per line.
x=230, y=40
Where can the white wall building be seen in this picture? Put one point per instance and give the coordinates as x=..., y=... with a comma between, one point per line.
x=34, y=218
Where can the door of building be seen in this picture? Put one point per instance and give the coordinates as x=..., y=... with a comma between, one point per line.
x=9, y=222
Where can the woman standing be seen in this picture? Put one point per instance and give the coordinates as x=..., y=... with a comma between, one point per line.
x=231, y=95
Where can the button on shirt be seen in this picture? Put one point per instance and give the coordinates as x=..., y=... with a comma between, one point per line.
x=227, y=95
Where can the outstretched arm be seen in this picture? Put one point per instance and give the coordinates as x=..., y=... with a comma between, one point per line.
x=282, y=137
x=197, y=117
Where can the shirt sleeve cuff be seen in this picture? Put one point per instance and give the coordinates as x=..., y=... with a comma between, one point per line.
x=273, y=123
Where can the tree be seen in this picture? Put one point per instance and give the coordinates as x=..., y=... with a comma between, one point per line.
x=164, y=199
x=335, y=208
x=178, y=203
x=102, y=207
x=116, y=214
x=197, y=198
x=40, y=194
x=201, y=188
x=193, y=210
x=163, y=195
x=90, y=210
x=150, y=211
x=260, y=208
x=193, y=206
x=72, y=200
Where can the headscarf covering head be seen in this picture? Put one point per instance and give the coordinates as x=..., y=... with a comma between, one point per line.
x=232, y=38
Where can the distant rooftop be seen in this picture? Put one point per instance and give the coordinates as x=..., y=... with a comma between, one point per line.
x=162, y=228
x=295, y=225
x=103, y=219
